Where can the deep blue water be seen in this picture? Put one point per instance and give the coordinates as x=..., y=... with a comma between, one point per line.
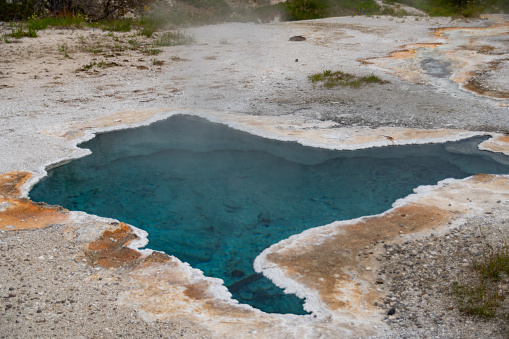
x=216, y=197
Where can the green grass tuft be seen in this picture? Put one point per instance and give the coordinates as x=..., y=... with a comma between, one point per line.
x=331, y=79
x=20, y=30
x=481, y=295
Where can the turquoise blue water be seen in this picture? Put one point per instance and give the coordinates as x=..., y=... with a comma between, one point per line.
x=216, y=197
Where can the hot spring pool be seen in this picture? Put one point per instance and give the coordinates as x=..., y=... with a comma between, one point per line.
x=216, y=197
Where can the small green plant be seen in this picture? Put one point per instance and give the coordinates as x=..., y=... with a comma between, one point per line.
x=223, y=42
x=156, y=62
x=145, y=31
x=481, y=295
x=331, y=79
x=64, y=49
x=174, y=39
x=18, y=30
x=6, y=39
x=152, y=51
x=89, y=66
x=96, y=64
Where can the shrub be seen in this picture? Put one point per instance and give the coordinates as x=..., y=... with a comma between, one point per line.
x=306, y=9
x=20, y=10
x=470, y=8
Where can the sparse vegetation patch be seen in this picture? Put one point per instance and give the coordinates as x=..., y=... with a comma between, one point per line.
x=20, y=30
x=331, y=79
x=483, y=293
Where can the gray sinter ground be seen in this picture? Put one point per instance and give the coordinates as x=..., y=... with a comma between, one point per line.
x=47, y=291
x=418, y=277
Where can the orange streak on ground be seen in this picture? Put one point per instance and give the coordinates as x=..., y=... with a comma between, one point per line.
x=439, y=31
x=11, y=182
x=18, y=213
x=396, y=62
x=333, y=267
x=111, y=250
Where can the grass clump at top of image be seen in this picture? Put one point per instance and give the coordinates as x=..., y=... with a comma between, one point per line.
x=459, y=8
x=484, y=293
x=331, y=79
x=62, y=20
x=316, y=9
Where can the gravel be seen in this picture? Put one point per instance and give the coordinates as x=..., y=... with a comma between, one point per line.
x=47, y=291
x=418, y=277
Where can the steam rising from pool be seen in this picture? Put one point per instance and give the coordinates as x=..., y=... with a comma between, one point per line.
x=216, y=197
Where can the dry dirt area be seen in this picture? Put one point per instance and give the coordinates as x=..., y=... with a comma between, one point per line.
x=69, y=274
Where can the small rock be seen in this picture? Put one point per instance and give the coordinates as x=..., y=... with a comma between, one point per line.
x=298, y=38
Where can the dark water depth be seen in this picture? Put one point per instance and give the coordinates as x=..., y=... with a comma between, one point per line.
x=216, y=197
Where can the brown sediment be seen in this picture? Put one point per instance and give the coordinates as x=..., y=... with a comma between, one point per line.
x=402, y=62
x=438, y=32
x=11, y=182
x=198, y=290
x=474, y=85
x=111, y=250
x=477, y=82
x=498, y=144
x=18, y=213
x=338, y=265
x=158, y=257
x=406, y=52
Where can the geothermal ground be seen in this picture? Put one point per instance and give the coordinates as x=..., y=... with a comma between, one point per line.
x=69, y=274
